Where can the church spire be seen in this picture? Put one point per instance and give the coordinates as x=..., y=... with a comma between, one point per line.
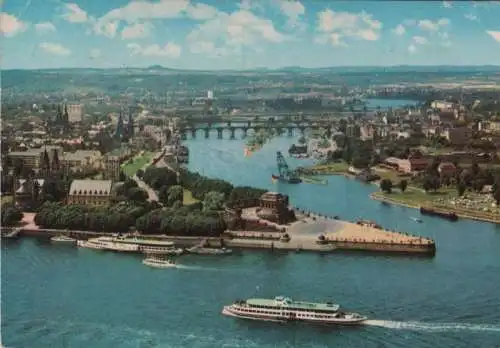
x=66, y=115
x=119, y=127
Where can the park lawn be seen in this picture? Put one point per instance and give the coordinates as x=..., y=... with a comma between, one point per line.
x=188, y=198
x=337, y=167
x=137, y=163
x=392, y=175
x=417, y=197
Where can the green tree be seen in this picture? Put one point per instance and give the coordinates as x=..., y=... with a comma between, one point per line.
x=11, y=215
x=403, y=184
x=461, y=189
x=386, y=185
x=213, y=201
x=137, y=194
x=175, y=194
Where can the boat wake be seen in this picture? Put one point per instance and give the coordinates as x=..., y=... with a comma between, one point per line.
x=197, y=268
x=436, y=327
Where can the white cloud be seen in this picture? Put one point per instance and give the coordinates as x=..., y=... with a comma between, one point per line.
x=420, y=40
x=107, y=29
x=136, y=31
x=45, y=27
x=428, y=25
x=95, y=53
x=294, y=10
x=412, y=48
x=201, y=11
x=74, y=14
x=231, y=32
x=399, y=30
x=11, y=25
x=471, y=17
x=170, y=50
x=143, y=10
x=349, y=25
x=54, y=48
x=447, y=4
x=494, y=34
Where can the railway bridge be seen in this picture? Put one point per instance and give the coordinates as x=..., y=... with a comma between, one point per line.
x=244, y=127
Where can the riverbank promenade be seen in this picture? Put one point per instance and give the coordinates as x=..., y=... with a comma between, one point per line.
x=315, y=233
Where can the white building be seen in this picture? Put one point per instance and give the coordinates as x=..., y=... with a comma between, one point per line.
x=75, y=113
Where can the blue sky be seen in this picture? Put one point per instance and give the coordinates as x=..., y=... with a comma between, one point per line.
x=242, y=34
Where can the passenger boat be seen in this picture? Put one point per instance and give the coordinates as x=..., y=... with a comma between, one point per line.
x=143, y=245
x=145, y=249
x=283, y=309
x=159, y=263
x=89, y=244
x=102, y=243
x=209, y=251
x=416, y=219
x=62, y=239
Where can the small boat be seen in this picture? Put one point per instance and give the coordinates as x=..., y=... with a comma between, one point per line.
x=209, y=251
x=62, y=239
x=416, y=219
x=159, y=263
x=282, y=309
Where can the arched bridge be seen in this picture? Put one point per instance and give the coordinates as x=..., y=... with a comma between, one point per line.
x=244, y=127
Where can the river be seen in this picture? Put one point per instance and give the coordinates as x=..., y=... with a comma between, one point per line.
x=63, y=297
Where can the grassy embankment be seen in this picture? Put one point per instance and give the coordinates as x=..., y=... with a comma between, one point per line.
x=413, y=197
x=188, y=198
x=439, y=200
x=133, y=165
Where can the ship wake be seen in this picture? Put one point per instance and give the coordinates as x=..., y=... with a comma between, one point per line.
x=436, y=327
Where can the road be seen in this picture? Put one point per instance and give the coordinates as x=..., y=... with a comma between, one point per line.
x=152, y=196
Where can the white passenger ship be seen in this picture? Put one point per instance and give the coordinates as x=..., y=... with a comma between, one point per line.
x=283, y=309
x=103, y=244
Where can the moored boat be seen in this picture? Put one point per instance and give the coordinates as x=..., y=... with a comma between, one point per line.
x=145, y=249
x=89, y=244
x=445, y=215
x=62, y=239
x=282, y=309
x=209, y=251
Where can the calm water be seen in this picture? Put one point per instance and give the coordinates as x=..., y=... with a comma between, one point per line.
x=62, y=297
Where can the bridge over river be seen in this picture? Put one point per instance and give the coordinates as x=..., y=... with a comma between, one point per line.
x=244, y=126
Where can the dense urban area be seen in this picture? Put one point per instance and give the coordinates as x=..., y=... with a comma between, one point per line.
x=101, y=150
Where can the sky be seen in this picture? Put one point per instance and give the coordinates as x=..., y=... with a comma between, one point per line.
x=246, y=34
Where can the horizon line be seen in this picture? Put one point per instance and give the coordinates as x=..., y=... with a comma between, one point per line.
x=155, y=66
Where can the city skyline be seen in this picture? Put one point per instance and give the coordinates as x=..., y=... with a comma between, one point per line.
x=206, y=35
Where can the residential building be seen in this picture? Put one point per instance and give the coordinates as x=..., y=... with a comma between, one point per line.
x=75, y=113
x=447, y=169
x=33, y=158
x=82, y=160
x=112, y=167
x=410, y=165
x=90, y=192
x=353, y=131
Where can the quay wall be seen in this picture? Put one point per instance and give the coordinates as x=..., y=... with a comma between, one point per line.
x=427, y=249
x=177, y=240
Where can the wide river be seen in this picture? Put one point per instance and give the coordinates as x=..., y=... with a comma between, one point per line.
x=55, y=296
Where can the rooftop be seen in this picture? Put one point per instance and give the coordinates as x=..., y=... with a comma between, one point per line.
x=90, y=187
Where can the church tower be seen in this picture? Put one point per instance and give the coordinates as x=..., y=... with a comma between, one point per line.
x=119, y=127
